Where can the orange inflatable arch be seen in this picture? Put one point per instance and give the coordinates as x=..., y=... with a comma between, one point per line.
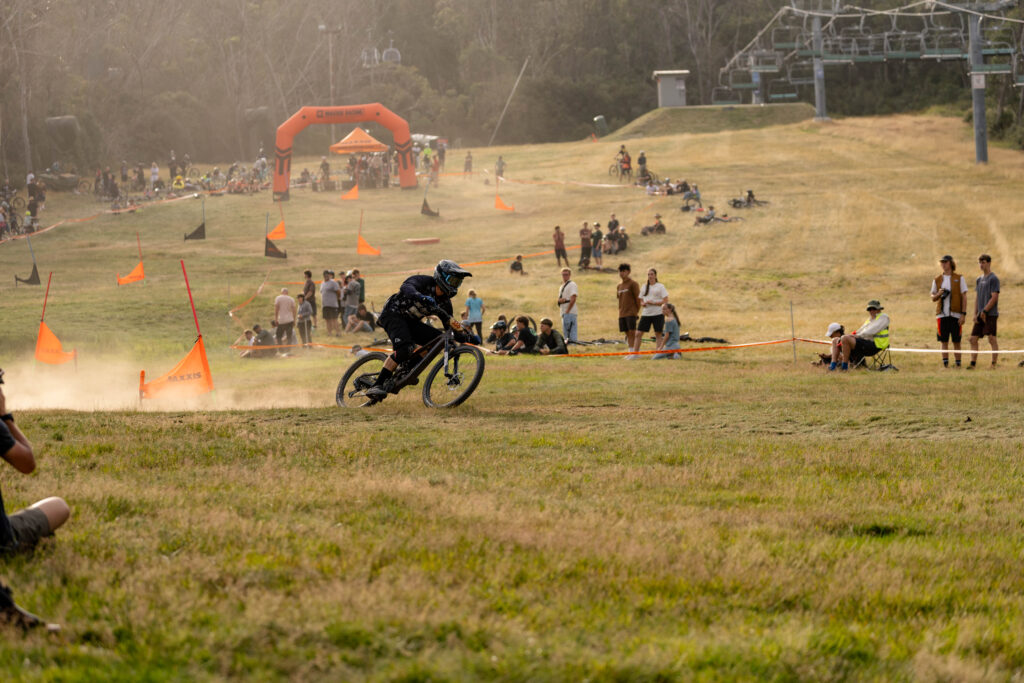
x=308, y=116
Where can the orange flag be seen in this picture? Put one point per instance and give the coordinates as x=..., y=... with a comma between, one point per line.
x=49, y=349
x=134, y=276
x=498, y=204
x=190, y=377
x=277, y=233
x=352, y=194
x=363, y=247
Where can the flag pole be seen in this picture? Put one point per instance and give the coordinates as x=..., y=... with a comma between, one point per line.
x=204, y=209
x=139, y=240
x=46, y=296
x=33, y=251
x=192, y=303
x=266, y=229
x=360, y=222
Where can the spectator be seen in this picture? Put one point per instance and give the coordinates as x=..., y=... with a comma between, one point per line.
x=467, y=165
x=621, y=240
x=361, y=321
x=652, y=298
x=154, y=176
x=585, y=246
x=247, y=339
x=613, y=225
x=475, y=312
x=262, y=338
x=517, y=265
x=641, y=164
x=550, y=341
x=285, y=311
x=986, y=310
x=628, y=293
x=671, y=333
x=435, y=170
x=362, y=285
x=499, y=167
x=949, y=292
x=872, y=337
x=559, y=239
x=658, y=228
x=33, y=214
x=567, y=296
x=500, y=335
x=305, y=315
x=325, y=173
x=350, y=296
x=524, y=339
x=330, y=295
x=309, y=293
x=596, y=236
x=23, y=529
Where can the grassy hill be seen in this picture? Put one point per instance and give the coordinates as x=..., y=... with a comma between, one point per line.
x=733, y=515
x=712, y=119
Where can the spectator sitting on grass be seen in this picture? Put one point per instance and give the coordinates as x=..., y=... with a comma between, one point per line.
x=550, y=341
x=247, y=339
x=517, y=265
x=502, y=338
x=361, y=321
x=262, y=338
x=497, y=331
x=525, y=340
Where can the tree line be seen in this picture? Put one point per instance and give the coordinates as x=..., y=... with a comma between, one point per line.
x=214, y=79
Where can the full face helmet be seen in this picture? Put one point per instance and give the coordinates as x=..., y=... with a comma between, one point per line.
x=448, y=275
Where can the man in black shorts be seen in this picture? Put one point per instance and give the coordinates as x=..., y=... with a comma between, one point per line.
x=986, y=310
x=628, y=293
x=23, y=529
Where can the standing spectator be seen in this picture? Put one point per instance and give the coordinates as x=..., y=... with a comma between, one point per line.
x=285, y=311
x=325, y=173
x=23, y=529
x=330, y=296
x=467, y=165
x=671, y=333
x=442, y=152
x=350, y=296
x=549, y=341
x=154, y=175
x=641, y=163
x=435, y=170
x=362, y=285
x=613, y=225
x=986, y=309
x=585, y=246
x=949, y=292
x=124, y=173
x=499, y=167
x=305, y=314
x=595, y=237
x=33, y=214
x=628, y=293
x=559, y=238
x=653, y=297
x=475, y=312
x=567, y=296
x=309, y=293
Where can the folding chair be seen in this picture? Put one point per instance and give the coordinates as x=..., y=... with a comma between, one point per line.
x=882, y=361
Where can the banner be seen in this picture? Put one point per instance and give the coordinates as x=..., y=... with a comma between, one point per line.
x=49, y=349
x=190, y=377
x=498, y=204
x=137, y=274
x=278, y=232
x=363, y=247
x=352, y=194
x=427, y=211
x=33, y=279
x=197, y=234
x=270, y=250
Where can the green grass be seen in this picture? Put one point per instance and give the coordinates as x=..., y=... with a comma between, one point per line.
x=733, y=515
x=712, y=119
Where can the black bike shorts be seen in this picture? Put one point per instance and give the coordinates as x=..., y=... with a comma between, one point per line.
x=407, y=331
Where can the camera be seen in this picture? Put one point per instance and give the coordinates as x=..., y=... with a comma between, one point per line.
x=1, y=376
x=944, y=292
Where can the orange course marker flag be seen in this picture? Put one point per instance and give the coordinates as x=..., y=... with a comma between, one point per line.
x=363, y=247
x=352, y=194
x=137, y=274
x=49, y=349
x=190, y=377
x=277, y=233
x=498, y=204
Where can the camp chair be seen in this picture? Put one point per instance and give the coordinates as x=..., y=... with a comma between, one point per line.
x=882, y=361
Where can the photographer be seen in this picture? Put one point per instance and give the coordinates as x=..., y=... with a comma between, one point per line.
x=949, y=292
x=23, y=529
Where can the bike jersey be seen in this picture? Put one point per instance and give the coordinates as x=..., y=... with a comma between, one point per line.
x=408, y=301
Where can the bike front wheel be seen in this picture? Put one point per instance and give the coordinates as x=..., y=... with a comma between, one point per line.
x=360, y=376
x=448, y=385
x=19, y=204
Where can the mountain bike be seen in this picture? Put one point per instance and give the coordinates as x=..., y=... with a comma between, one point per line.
x=448, y=383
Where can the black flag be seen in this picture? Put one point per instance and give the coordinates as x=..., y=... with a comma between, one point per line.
x=427, y=211
x=197, y=234
x=33, y=279
x=270, y=250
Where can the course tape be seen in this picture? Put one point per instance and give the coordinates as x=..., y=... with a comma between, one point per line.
x=259, y=290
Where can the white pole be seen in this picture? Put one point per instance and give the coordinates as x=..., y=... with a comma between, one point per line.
x=508, y=101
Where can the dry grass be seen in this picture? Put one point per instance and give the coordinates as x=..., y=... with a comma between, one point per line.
x=731, y=515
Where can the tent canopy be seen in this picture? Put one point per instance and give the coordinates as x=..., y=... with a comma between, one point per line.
x=358, y=142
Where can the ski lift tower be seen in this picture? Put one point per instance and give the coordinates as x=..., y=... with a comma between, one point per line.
x=974, y=10
x=817, y=9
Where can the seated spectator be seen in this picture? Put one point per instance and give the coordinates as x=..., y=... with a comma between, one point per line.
x=524, y=339
x=517, y=265
x=361, y=321
x=671, y=337
x=262, y=338
x=872, y=337
x=550, y=341
x=708, y=217
x=502, y=338
x=658, y=228
x=494, y=328
x=247, y=339
x=621, y=239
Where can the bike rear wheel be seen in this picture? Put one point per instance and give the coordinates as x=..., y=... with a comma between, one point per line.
x=193, y=172
x=18, y=203
x=359, y=377
x=84, y=186
x=449, y=385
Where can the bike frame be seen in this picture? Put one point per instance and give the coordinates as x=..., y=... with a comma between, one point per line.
x=446, y=341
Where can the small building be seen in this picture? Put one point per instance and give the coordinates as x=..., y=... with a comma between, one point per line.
x=671, y=88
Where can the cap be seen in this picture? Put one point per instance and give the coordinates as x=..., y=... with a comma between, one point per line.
x=947, y=257
x=657, y=215
x=833, y=328
x=876, y=304
x=546, y=321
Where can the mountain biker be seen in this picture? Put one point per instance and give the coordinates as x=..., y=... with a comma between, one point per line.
x=403, y=313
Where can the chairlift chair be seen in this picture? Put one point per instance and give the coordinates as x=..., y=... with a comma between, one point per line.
x=998, y=58
x=827, y=6
x=805, y=45
x=838, y=50
x=785, y=37
x=943, y=44
x=800, y=72
x=869, y=47
x=903, y=45
x=765, y=62
x=781, y=90
x=723, y=95
x=1018, y=69
x=741, y=79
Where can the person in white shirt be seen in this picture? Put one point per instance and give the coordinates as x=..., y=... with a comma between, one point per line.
x=653, y=296
x=567, y=296
x=872, y=337
x=285, y=312
x=949, y=292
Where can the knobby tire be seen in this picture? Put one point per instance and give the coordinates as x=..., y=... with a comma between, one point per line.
x=357, y=372
x=452, y=392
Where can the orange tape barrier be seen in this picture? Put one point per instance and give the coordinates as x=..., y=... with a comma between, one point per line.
x=259, y=290
x=690, y=350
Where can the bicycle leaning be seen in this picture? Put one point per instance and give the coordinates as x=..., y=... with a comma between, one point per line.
x=448, y=383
